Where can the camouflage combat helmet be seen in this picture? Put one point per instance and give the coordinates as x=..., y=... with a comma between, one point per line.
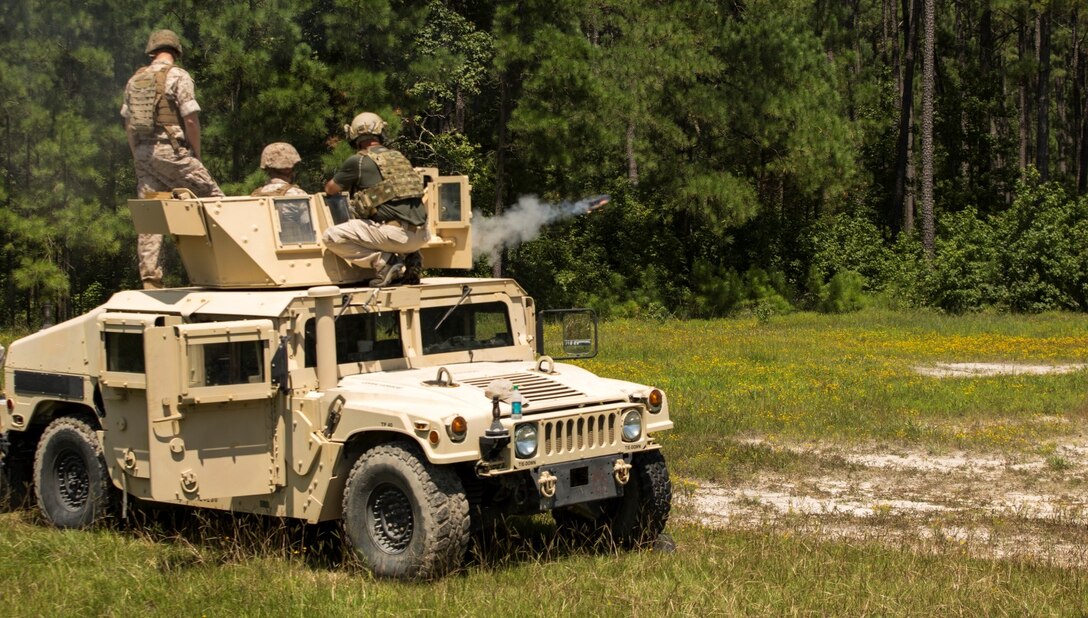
x=366, y=123
x=279, y=156
x=163, y=39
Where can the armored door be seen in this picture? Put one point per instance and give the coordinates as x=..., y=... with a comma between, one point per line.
x=211, y=410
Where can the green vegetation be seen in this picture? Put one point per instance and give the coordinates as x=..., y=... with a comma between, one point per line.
x=51, y=573
x=761, y=155
x=849, y=378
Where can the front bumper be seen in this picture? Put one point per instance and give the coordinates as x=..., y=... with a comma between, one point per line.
x=581, y=481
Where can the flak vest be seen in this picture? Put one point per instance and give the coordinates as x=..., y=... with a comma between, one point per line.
x=400, y=181
x=149, y=107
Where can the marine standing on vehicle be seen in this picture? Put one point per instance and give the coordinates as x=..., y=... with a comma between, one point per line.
x=389, y=218
x=163, y=127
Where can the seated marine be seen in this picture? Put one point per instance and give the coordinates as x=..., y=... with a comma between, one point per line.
x=389, y=218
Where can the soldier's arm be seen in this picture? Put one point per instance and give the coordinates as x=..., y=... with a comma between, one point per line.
x=131, y=135
x=344, y=177
x=192, y=133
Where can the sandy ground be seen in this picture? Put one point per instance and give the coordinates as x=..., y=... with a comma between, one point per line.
x=1029, y=507
x=978, y=370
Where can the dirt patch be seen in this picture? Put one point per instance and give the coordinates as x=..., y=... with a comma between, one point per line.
x=989, y=505
x=982, y=370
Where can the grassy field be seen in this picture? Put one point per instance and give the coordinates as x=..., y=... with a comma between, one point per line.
x=847, y=379
x=51, y=573
x=736, y=387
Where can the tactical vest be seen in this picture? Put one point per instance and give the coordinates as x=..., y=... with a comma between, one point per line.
x=280, y=191
x=399, y=181
x=149, y=107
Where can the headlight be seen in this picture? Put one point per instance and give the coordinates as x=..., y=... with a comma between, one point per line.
x=525, y=440
x=632, y=425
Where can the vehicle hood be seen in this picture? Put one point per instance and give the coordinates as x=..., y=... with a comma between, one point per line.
x=567, y=386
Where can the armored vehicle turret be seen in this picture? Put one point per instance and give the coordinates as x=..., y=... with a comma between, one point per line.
x=279, y=384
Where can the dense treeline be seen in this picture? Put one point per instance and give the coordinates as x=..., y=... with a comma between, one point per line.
x=761, y=154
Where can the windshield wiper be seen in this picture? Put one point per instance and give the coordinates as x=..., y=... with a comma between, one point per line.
x=465, y=290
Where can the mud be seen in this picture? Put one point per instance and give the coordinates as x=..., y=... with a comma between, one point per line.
x=1020, y=506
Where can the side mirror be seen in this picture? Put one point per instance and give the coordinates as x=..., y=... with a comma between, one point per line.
x=565, y=334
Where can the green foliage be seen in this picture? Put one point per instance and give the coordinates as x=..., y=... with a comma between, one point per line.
x=962, y=276
x=1043, y=249
x=849, y=241
x=722, y=292
x=842, y=294
x=735, y=139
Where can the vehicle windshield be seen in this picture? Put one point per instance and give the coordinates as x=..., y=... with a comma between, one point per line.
x=469, y=327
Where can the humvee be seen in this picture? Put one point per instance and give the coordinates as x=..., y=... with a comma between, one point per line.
x=279, y=384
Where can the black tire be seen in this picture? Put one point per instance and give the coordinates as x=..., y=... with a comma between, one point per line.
x=403, y=516
x=71, y=480
x=632, y=520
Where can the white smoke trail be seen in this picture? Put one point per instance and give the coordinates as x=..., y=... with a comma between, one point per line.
x=523, y=222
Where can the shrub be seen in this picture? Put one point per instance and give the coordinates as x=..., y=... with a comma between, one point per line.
x=962, y=275
x=843, y=293
x=850, y=242
x=1043, y=256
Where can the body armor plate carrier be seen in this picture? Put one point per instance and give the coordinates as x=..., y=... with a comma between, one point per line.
x=150, y=108
x=399, y=182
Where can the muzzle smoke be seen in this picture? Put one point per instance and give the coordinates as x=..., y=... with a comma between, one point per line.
x=523, y=222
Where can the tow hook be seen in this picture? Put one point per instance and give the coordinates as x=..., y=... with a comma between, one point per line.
x=622, y=471
x=547, y=484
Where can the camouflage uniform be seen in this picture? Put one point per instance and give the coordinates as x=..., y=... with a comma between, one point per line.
x=278, y=187
x=162, y=167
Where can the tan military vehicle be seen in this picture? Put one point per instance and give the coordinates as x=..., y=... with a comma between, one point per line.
x=279, y=385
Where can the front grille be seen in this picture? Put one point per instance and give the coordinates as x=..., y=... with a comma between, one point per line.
x=533, y=387
x=581, y=434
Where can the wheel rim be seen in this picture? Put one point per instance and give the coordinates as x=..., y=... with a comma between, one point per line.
x=73, y=481
x=389, y=514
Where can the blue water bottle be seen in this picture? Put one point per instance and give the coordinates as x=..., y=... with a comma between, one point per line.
x=515, y=404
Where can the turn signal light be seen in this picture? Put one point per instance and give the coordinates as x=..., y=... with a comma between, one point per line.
x=459, y=425
x=655, y=399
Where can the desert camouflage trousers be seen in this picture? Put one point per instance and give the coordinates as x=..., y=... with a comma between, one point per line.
x=369, y=244
x=160, y=168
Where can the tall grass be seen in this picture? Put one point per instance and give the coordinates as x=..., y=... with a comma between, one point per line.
x=51, y=573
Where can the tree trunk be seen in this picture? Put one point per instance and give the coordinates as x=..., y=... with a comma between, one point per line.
x=928, y=80
x=902, y=201
x=1082, y=150
x=1042, y=136
x=500, y=167
x=632, y=164
x=1025, y=111
x=459, y=111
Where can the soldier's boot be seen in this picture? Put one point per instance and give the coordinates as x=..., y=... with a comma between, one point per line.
x=393, y=269
x=413, y=264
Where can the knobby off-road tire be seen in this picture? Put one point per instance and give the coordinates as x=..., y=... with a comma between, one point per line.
x=630, y=521
x=404, y=517
x=71, y=480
